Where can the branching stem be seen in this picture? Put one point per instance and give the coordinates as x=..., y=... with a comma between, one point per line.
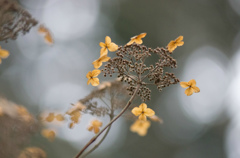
x=110, y=123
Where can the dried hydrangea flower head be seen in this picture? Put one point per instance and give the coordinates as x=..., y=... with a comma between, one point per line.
x=130, y=66
x=109, y=96
x=14, y=20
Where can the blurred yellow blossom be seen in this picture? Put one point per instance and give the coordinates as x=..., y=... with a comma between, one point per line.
x=172, y=45
x=3, y=54
x=92, y=77
x=47, y=35
x=75, y=115
x=95, y=124
x=108, y=45
x=49, y=134
x=142, y=111
x=98, y=63
x=140, y=127
x=191, y=87
x=51, y=117
x=137, y=39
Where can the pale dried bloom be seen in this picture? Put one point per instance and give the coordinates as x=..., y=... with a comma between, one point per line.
x=14, y=20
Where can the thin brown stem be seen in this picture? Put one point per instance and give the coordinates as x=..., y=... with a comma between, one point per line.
x=99, y=143
x=120, y=114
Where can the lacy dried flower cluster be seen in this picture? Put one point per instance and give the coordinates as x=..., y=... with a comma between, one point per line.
x=14, y=20
x=130, y=65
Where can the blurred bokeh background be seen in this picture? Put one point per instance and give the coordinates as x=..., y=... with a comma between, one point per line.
x=49, y=78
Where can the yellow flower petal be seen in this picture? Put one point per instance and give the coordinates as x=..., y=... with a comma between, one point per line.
x=196, y=89
x=103, y=51
x=89, y=75
x=97, y=123
x=184, y=84
x=89, y=81
x=143, y=106
x=90, y=128
x=180, y=43
x=149, y=112
x=60, y=117
x=189, y=91
x=95, y=73
x=142, y=117
x=97, y=63
x=4, y=53
x=107, y=40
x=104, y=58
x=49, y=134
x=71, y=125
x=179, y=39
x=42, y=30
x=192, y=83
x=137, y=111
x=142, y=35
x=140, y=127
x=172, y=46
x=130, y=42
x=138, y=41
x=50, y=117
x=48, y=39
x=96, y=130
x=112, y=47
x=94, y=81
x=103, y=45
